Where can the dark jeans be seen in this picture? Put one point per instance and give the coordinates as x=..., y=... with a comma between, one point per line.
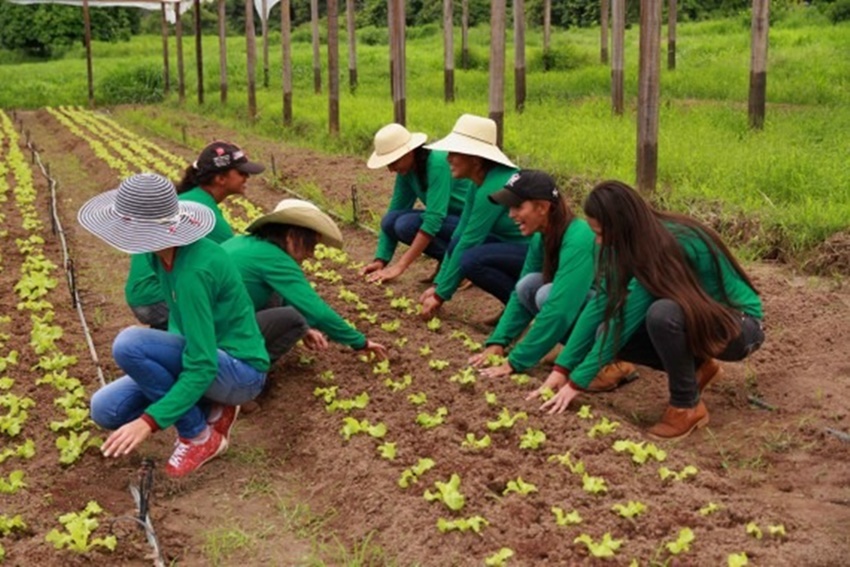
x=662, y=343
x=494, y=266
x=281, y=327
x=402, y=226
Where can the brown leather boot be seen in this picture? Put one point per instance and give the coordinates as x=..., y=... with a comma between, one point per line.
x=678, y=423
x=612, y=376
x=707, y=372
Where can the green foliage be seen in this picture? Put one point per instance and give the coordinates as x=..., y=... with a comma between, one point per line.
x=683, y=542
x=475, y=523
x=448, y=493
x=606, y=547
x=499, y=558
x=132, y=85
x=78, y=529
x=839, y=11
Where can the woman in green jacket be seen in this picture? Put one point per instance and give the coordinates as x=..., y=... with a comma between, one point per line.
x=423, y=175
x=672, y=297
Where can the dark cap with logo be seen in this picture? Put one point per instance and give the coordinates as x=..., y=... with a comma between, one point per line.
x=219, y=157
x=527, y=185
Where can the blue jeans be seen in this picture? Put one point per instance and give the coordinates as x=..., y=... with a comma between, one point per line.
x=402, y=226
x=153, y=361
x=532, y=293
x=494, y=267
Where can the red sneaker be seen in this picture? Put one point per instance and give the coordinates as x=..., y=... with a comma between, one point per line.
x=188, y=457
x=224, y=423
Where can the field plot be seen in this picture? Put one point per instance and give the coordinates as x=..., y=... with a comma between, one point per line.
x=417, y=461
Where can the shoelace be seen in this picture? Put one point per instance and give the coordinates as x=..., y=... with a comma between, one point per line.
x=179, y=453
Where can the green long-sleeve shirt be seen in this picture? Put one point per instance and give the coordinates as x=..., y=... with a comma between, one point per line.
x=142, y=287
x=584, y=354
x=480, y=218
x=265, y=268
x=443, y=196
x=211, y=309
x=570, y=286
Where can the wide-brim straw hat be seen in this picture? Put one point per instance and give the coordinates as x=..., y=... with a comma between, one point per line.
x=475, y=136
x=144, y=215
x=392, y=142
x=304, y=214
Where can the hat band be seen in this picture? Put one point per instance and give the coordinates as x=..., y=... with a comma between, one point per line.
x=476, y=138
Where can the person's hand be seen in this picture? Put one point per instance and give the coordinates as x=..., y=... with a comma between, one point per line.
x=553, y=383
x=430, y=292
x=430, y=306
x=379, y=350
x=372, y=266
x=315, y=340
x=497, y=371
x=559, y=402
x=385, y=274
x=123, y=440
x=479, y=359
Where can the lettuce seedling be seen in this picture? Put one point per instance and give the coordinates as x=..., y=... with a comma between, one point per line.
x=546, y=393
x=520, y=379
x=10, y=359
x=709, y=508
x=532, y=439
x=448, y=493
x=490, y=398
x=405, y=381
x=327, y=376
x=686, y=472
x=401, y=303
x=25, y=450
x=584, y=412
x=417, y=399
x=387, y=451
x=434, y=324
x=73, y=446
x=413, y=473
x=603, y=427
x=506, y=420
x=465, y=377
x=358, y=402
x=472, y=443
x=475, y=523
x=436, y=364
x=630, y=510
x=370, y=317
x=391, y=326
x=348, y=296
x=429, y=421
x=330, y=276
x=754, y=530
x=500, y=558
x=327, y=394
x=640, y=451
x=593, y=484
x=8, y=524
x=389, y=292
x=472, y=345
x=15, y=482
x=494, y=359
x=776, y=531
x=78, y=529
x=682, y=543
x=425, y=351
x=737, y=560
x=607, y=546
x=401, y=342
x=564, y=519
x=383, y=367
x=351, y=426
x=519, y=486
x=566, y=460
x=369, y=357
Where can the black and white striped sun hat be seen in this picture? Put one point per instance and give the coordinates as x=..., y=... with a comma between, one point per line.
x=144, y=215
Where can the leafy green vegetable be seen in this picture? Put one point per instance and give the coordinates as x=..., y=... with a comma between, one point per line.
x=737, y=560
x=520, y=379
x=327, y=394
x=405, y=381
x=593, y=484
x=532, y=439
x=387, y=451
x=682, y=543
x=519, y=486
x=607, y=546
x=78, y=528
x=73, y=446
x=500, y=558
x=413, y=473
x=709, y=508
x=686, y=472
x=425, y=351
x=584, y=412
x=754, y=530
x=465, y=377
x=566, y=460
x=776, y=531
x=437, y=364
x=629, y=510
x=603, y=427
x=360, y=401
x=563, y=519
x=383, y=367
x=429, y=421
x=640, y=451
x=546, y=393
x=472, y=443
x=434, y=324
x=475, y=523
x=391, y=326
x=506, y=420
x=417, y=399
x=8, y=524
x=351, y=426
x=490, y=398
x=448, y=493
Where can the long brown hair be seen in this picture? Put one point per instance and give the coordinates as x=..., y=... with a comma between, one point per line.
x=192, y=179
x=302, y=243
x=560, y=217
x=639, y=241
x=420, y=165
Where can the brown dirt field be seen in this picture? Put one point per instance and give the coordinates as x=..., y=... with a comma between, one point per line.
x=291, y=491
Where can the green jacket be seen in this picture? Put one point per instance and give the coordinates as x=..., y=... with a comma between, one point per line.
x=480, y=218
x=570, y=286
x=265, y=268
x=584, y=355
x=442, y=196
x=142, y=287
x=209, y=307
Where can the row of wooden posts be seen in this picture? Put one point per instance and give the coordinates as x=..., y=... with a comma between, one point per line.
x=648, y=72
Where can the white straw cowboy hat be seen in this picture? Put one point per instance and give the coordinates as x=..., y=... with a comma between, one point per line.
x=392, y=142
x=304, y=214
x=144, y=215
x=473, y=135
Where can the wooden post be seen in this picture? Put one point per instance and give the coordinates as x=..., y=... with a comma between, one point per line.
x=333, y=67
x=286, y=48
x=178, y=36
x=497, y=66
x=603, y=31
x=199, y=51
x=352, y=45
x=758, y=63
x=390, y=25
x=166, y=73
x=648, y=94
x=399, y=59
x=618, y=25
x=464, y=35
x=519, y=55
x=222, y=50
x=317, y=63
x=448, y=52
x=264, y=23
x=251, y=53
x=89, y=71
x=671, y=35
x=547, y=32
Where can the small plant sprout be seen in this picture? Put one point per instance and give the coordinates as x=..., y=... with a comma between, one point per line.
x=607, y=546
x=448, y=493
x=777, y=530
x=327, y=394
x=754, y=530
x=434, y=324
x=387, y=451
x=737, y=560
x=520, y=379
x=506, y=420
x=405, y=381
x=476, y=444
x=564, y=519
x=709, y=508
x=327, y=376
x=546, y=393
x=429, y=421
x=682, y=543
x=360, y=401
x=15, y=482
x=640, y=451
x=417, y=399
x=391, y=326
x=348, y=296
x=362, y=307
x=490, y=398
x=412, y=474
x=78, y=528
x=685, y=473
x=566, y=460
x=472, y=345
x=306, y=360
x=519, y=486
x=351, y=426
x=8, y=524
x=388, y=293
x=367, y=357
x=335, y=255
x=382, y=367
x=630, y=510
x=370, y=317
x=73, y=446
x=401, y=303
x=425, y=351
x=400, y=342
x=532, y=439
x=593, y=484
x=494, y=359
x=584, y=412
x=475, y=523
x=500, y=558
x=465, y=377
x=603, y=427
x=437, y=364
x=330, y=276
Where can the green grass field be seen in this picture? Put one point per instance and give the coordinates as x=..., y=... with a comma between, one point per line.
x=778, y=192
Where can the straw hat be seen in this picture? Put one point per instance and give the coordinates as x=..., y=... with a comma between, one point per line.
x=475, y=136
x=391, y=142
x=305, y=214
x=144, y=215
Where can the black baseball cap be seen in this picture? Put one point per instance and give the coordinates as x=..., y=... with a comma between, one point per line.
x=219, y=157
x=527, y=185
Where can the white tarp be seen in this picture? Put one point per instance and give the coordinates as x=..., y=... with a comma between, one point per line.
x=258, y=6
x=185, y=5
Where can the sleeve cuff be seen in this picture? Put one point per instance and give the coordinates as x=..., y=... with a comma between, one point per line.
x=151, y=422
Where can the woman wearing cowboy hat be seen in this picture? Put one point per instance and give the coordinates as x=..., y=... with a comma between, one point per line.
x=221, y=170
x=269, y=260
x=488, y=249
x=424, y=175
x=195, y=377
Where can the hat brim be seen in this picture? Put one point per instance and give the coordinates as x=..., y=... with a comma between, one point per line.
x=377, y=161
x=250, y=168
x=460, y=144
x=306, y=217
x=135, y=236
x=506, y=198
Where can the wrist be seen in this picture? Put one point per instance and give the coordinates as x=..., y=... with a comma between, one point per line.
x=150, y=422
